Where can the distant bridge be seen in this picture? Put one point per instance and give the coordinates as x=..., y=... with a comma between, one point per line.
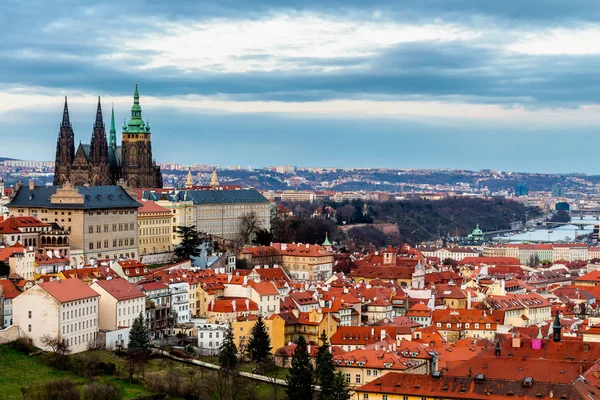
x=580, y=224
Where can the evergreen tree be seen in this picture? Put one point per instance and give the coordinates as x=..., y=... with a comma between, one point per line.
x=340, y=389
x=259, y=345
x=325, y=371
x=139, y=338
x=300, y=376
x=190, y=242
x=228, y=351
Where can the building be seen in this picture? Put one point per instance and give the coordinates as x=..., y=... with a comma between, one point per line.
x=102, y=162
x=210, y=337
x=101, y=221
x=120, y=303
x=242, y=331
x=8, y=292
x=155, y=225
x=306, y=262
x=24, y=230
x=159, y=318
x=63, y=309
x=216, y=212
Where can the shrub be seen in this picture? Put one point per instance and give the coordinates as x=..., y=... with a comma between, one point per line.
x=101, y=391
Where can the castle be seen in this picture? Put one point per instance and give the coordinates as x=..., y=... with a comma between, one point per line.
x=102, y=162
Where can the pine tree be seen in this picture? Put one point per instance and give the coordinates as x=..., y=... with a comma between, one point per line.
x=300, y=376
x=139, y=338
x=325, y=370
x=259, y=345
x=340, y=388
x=188, y=247
x=228, y=351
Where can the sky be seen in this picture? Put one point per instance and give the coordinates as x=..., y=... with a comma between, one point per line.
x=508, y=85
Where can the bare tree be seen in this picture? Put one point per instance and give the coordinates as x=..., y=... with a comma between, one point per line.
x=249, y=224
x=59, y=346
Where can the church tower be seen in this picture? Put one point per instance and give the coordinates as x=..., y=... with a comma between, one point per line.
x=100, y=173
x=139, y=169
x=65, y=149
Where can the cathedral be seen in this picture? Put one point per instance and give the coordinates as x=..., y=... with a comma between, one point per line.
x=102, y=162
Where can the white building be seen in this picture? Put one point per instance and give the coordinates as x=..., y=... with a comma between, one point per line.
x=210, y=337
x=121, y=303
x=180, y=301
x=8, y=292
x=66, y=309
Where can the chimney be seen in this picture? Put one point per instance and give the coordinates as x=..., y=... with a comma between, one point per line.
x=383, y=334
x=308, y=349
x=31, y=185
x=469, y=300
x=234, y=305
x=372, y=331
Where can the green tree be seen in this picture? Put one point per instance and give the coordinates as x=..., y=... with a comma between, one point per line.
x=340, y=388
x=300, y=376
x=139, y=338
x=325, y=371
x=262, y=237
x=228, y=351
x=190, y=243
x=4, y=269
x=259, y=345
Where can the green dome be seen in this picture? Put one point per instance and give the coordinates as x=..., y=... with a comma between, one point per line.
x=136, y=123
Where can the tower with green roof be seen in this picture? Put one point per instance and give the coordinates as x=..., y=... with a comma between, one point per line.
x=139, y=169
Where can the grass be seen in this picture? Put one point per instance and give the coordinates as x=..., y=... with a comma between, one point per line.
x=18, y=370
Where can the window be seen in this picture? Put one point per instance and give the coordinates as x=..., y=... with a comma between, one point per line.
x=29, y=328
x=384, y=397
x=357, y=378
x=368, y=372
x=366, y=396
x=29, y=312
x=91, y=246
x=91, y=230
x=347, y=375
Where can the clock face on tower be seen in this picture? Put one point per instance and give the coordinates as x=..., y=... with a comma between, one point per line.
x=132, y=156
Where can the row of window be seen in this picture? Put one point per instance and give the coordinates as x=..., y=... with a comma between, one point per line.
x=77, y=313
x=467, y=325
x=154, y=231
x=79, y=326
x=121, y=212
x=121, y=243
x=115, y=228
x=135, y=309
x=155, y=221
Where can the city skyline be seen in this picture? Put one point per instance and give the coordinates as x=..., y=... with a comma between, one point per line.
x=474, y=86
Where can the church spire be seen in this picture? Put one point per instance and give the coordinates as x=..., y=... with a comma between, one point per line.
x=112, y=138
x=214, y=181
x=188, y=182
x=66, y=122
x=99, y=121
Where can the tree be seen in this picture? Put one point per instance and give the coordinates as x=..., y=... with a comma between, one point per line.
x=249, y=225
x=300, y=376
x=102, y=391
x=59, y=389
x=262, y=237
x=259, y=346
x=4, y=269
x=190, y=243
x=340, y=388
x=228, y=351
x=325, y=371
x=534, y=260
x=59, y=346
x=561, y=216
x=139, y=338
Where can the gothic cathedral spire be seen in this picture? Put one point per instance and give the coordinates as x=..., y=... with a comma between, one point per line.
x=99, y=121
x=112, y=137
x=66, y=122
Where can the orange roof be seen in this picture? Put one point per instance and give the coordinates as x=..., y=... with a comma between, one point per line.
x=12, y=224
x=121, y=289
x=363, y=335
x=6, y=252
x=264, y=288
x=68, y=290
x=150, y=207
x=302, y=250
x=232, y=304
x=593, y=276
x=9, y=289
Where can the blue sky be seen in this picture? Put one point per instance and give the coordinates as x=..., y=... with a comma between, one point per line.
x=511, y=85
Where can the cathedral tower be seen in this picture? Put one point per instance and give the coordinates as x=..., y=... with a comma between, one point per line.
x=139, y=169
x=65, y=149
x=100, y=173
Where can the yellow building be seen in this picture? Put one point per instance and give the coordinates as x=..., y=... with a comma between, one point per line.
x=306, y=261
x=242, y=329
x=155, y=224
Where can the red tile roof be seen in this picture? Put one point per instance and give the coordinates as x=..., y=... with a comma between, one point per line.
x=68, y=290
x=232, y=304
x=121, y=289
x=150, y=207
x=9, y=289
x=12, y=224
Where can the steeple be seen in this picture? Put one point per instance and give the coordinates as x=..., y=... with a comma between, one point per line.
x=66, y=122
x=99, y=121
x=214, y=181
x=556, y=328
x=112, y=137
x=188, y=182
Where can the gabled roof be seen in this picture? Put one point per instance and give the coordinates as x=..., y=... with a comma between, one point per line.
x=150, y=207
x=9, y=290
x=222, y=196
x=121, y=289
x=68, y=290
x=12, y=224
